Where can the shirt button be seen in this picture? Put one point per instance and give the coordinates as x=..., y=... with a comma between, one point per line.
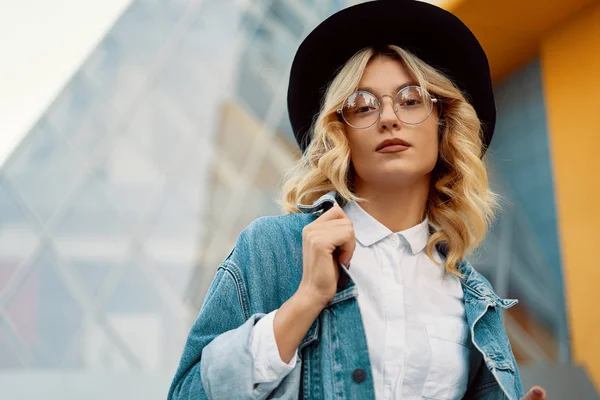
x=394, y=240
x=359, y=375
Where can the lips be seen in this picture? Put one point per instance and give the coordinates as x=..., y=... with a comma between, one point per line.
x=397, y=143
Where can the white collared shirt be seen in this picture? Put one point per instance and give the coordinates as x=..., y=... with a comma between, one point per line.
x=413, y=315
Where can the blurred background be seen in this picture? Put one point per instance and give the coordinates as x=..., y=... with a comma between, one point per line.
x=139, y=137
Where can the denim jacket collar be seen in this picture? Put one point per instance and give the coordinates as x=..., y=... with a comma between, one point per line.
x=473, y=282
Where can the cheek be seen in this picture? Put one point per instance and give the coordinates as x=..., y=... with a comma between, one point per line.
x=358, y=142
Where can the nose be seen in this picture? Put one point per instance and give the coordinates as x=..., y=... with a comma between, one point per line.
x=388, y=118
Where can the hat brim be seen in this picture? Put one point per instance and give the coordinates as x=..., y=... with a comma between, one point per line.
x=434, y=35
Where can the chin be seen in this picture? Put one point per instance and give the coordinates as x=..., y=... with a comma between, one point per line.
x=398, y=176
x=400, y=167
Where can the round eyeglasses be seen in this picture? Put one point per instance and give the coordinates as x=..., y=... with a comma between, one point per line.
x=412, y=105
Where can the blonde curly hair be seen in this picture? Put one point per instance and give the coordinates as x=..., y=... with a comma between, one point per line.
x=460, y=204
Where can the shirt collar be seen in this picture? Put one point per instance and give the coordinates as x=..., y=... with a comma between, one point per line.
x=369, y=231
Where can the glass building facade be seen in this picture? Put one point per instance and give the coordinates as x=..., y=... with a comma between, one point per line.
x=521, y=255
x=118, y=206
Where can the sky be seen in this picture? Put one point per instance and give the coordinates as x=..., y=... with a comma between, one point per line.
x=42, y=44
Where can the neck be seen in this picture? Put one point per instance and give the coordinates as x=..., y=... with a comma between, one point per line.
x=398, y=208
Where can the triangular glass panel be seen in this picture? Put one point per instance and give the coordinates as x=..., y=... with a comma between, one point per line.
x=197, y=87
x=18, y=236
x=281, y=12
x=93, y=272
x=178, y=276
x=91, y=231
x=176, y=234
x=194, y=174
x=142, y=31
x=121, y=82
x=94, y=349
x=193, y=179
x=163, y=131
x=44, y=312
x=135, y=292
x=82, y=116
x=8, y=353
x=134, y=183
x=187, y=87
x=138, y=313
x=44, y=170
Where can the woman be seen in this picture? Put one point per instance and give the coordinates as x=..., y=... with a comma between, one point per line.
x=361, y=291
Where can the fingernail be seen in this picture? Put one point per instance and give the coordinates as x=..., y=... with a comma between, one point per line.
x=538, y=392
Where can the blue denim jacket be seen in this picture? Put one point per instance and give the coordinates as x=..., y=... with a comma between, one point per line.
x=261, y=273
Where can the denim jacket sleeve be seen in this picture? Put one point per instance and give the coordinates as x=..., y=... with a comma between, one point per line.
x=216, y=361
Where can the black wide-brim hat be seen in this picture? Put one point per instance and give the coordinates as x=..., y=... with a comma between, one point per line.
x=429, y=32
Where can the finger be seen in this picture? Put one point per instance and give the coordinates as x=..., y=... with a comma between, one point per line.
x=334, y=212
x=347, y=250
x=338, y=238
x=535, y=393
x=335, y=233
x=340, y=233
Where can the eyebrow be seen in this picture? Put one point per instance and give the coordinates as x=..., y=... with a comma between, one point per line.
x=399, y=88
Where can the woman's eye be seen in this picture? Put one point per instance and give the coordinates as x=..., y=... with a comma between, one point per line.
x=364, y=109
x=410, y=103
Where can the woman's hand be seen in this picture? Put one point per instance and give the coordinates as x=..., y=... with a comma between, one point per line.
x=535, y=393
x=320, y=276
x=320, y=239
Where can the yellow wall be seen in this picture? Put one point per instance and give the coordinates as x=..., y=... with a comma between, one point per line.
x=511, y=31
x=570, y=56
